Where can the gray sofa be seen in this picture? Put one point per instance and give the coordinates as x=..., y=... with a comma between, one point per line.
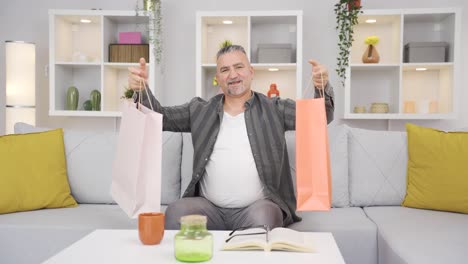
x=367, y=221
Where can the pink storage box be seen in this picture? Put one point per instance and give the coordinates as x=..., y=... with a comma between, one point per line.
x=129, y=37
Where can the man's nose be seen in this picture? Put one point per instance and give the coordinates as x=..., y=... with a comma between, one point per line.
x=233, y=74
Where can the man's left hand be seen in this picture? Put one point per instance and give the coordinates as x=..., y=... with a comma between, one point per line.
x=318, y=68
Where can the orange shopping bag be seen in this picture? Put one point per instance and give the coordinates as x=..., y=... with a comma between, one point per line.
x=313, y=173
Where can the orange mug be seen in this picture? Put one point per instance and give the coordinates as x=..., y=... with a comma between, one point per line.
x=151, y=228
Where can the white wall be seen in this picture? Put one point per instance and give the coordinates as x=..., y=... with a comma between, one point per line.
x=28, y=20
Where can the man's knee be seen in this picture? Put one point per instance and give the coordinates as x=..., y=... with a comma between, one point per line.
x=176, y=210
x=188, y=206
x=264, y=212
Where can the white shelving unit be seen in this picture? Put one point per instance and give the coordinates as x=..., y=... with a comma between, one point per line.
x=79, y=56
x=428, y=94
x=249, y=29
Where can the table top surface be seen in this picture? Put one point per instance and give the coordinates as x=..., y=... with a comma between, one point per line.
x=123, y=246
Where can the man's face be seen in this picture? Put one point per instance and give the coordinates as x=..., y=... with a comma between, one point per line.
x=234, y=73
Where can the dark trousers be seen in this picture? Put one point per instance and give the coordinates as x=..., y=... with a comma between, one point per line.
x=261, y=212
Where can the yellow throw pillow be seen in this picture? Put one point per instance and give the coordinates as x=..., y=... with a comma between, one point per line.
x=33, y=172
x=437, y=176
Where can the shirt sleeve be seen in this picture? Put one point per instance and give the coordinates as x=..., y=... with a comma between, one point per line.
x=287, y=108
x=329, y=101
x=175, y=118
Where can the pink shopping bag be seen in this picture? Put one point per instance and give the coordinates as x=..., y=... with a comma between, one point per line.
x=313, y=173
x=136, y=175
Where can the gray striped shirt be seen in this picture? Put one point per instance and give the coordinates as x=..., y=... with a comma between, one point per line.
x=266, y=120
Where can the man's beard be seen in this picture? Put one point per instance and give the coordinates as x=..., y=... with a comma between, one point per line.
x=237, y=89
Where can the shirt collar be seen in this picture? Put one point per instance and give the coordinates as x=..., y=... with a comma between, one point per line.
x=248, y=103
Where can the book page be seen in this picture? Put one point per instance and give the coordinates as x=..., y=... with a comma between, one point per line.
x=247, y=242
x=288, y=239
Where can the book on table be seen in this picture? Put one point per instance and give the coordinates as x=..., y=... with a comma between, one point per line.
x=279, y=238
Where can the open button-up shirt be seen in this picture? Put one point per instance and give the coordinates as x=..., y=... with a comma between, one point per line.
x=266, y=120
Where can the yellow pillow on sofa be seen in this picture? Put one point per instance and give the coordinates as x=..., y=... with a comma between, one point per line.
x=437, y=175
x=33, y=172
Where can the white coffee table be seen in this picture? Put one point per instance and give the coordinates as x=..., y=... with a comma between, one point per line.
x=123, y=246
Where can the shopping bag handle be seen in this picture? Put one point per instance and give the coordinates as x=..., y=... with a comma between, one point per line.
x=147, y=95
x=308, y=89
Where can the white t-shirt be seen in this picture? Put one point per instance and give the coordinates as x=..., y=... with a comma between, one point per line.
x=231, y=179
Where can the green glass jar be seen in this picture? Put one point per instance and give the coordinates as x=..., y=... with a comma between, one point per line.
x=193, y=243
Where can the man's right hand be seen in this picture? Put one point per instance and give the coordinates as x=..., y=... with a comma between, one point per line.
x=138, y=76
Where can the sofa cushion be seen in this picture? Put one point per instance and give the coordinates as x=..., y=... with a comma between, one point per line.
x=337, y=136
x=408, y=235
x=186, y=169
x=354, y=233
x=60, y=227
x=377, y=167
x=90, y=181
x=22, y=235
x=42, y=182
x=437, y=169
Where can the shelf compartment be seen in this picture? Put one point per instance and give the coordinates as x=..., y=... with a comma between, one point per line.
x=115, y=24
x=273, y=30
x=371, y=84
x=115, y=83
x=387, y=28
x=214, y=32
x=430, y=90
x=284, y=78
x=437, y=27
x=84, y=77
x=76, y=41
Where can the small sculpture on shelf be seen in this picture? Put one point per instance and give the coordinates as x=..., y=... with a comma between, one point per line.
x=87, y=105
x=359, y=109
x=95, y=98
x=72, y=98
x=273, y=92
x=371, y=55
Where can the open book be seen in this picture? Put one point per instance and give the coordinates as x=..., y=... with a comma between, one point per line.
x=277, y=239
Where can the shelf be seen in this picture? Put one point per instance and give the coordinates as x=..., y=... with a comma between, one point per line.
x=373, y=66
x=72, y=63
x=79, y=113
x=262, y=66
x=122, y=65
x=387, y=28
x=251, y=29
x=214, y=32
x=79, y=56
x=285, y=33
x=398, y=116
x=375, y=85
x=72, y=42
x=412, y=90
x=438, y=27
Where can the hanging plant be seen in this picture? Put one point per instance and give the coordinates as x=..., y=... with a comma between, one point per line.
x=154, y=28
x=347, y=12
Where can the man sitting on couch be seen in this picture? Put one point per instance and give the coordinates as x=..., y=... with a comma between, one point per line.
x=241, y=175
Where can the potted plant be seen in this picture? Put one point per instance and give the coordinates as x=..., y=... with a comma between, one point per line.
x=347, y=12
x=128, y=94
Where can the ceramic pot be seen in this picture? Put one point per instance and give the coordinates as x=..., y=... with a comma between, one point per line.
x=151, y=228
x=355, y=3
x=72, y=98
x=379, y=108
x=371, y=55
x=95, y=98
x=87, y=105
